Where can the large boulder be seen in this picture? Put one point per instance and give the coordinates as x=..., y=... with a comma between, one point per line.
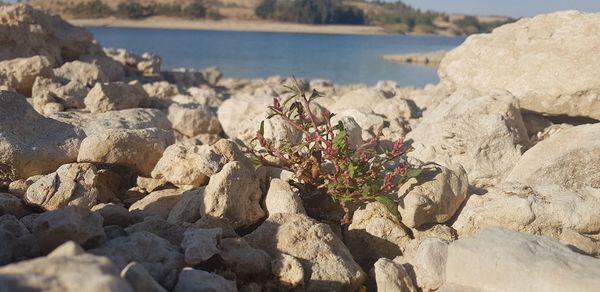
x=70, y=94
x=75, y=184
x=569, y=159
x=15, y=240
x=193, y=119
x=139, y=150
x=327, y=263
x=113, y=96
x=29, y=32
x=433, y=197
x=31, y=144
x=186, y=163
x=484, y=134
x=20, y=73
x=67, y=269
x=536, y=59
x=137, y=118
x=234, y=194
x=390, y=276
x=191, y=280
x=501, y=260
x=81, y=72
x=162, y=259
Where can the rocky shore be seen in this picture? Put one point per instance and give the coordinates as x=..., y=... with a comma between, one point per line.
x=118, y=176
x=426, y=58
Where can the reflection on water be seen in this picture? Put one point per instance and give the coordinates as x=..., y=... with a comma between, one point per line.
x=342, y=59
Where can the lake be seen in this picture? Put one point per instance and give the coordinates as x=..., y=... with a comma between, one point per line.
x=343, y=59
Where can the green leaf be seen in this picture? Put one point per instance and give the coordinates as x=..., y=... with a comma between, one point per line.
x=262, y=128
x=351, y=170
x=289, y=99
x=339, y=140
x=390, y=205
x=413, y=172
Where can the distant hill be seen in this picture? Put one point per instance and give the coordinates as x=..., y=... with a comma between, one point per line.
x=393, y=17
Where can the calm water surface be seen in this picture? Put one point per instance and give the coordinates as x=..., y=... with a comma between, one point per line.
x=342, y=59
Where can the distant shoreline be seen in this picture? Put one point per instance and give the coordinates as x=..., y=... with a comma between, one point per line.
x=230, y=25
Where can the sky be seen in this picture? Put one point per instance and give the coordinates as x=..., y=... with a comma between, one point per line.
x=513, y=8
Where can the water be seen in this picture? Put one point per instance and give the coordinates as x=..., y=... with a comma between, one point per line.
x=343, y=59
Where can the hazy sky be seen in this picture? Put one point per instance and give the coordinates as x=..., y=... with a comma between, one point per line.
x=514, y=8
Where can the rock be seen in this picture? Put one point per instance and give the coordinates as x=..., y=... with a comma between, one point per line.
x=276, y=131
x=235, y=113
x=149, y=184
x=288, y=270
x=12, y=205
x=502, y=260
x=363, y=100
x=114, y=214
x=397, y=109
x=433, y=197
x=150, y=64
x=369, y=123
x=200, y=244
x=580, y=243
x=233, y=194
x=139, y=279
x=20, y=73
x=282, y=198
x=188, y=164
x=69, y=248
x=105, y=97
x=157, y=203
x=80, y=225
x=160, y=91
x=193, y=119
x=565, y=160
x=484, y=134
x=544, y=210
x=63, y=272
x=112, y=69
x=160, y=258
x=390, y=276
x=353, y=130
x=186, y=77
x=30, y=32
x=114, y=231
x=126, y=119
x=75, y=184
x=70, y=94
x=429, y=264
x=27, y=147
x=375, y=233
x=553, y=44
x=157, y=225
x=81, y=72
x=122, y=56
x=245, y=261
x=139, y=150
x=188, y=208
x=191, y=280
x=19, y=187
x=327, y=263
x=209, y=222
x=15, y=240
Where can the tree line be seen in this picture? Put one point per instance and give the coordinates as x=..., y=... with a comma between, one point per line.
x=133, y=10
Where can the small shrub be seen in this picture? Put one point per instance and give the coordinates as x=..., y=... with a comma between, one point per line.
x=324, y=161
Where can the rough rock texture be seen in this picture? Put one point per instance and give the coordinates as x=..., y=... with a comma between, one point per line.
x=160, y=258
x=282, y=198
x=112, y=69
x=568, y=159
x=433, y=197
x=363, y=100
x=81, y=72
x=54, y=228
x=75, y=184
x=105, y=97
x=193, y=119
x=327, y=263
x=485, y=135
x=233, y=194
x=288, y=270
x=138, y=118
x=63, y=273
x=157, y=203
x=31, y=144
x=28, y=32
x=544, y=210
x=20, y=73
x=188, y=164
x=188, y=207
x=70, y=94
x=15, y=240
x=139, y=279
x=200, y=244
x=390, y=276
x=114, y=214
x=375, y=233
x=159, y=226
x=502, y=260
x=244, y=260
x=429, y=264
x=12, y=205
x=545, y=52
x=191, y=280
x=139, y=150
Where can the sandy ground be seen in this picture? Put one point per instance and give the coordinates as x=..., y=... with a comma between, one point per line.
x=231, y=25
